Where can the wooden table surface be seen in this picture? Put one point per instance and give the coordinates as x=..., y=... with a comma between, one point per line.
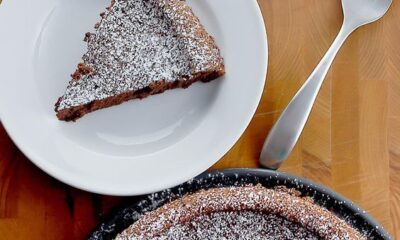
x=351, y=142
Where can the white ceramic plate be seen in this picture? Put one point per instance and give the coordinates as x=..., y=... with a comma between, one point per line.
x=140, y=146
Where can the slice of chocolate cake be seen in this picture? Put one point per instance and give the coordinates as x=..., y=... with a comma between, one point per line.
x=140, y=48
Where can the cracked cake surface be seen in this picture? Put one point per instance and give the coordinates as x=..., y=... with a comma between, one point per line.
x=139, y=48
x=248, y=212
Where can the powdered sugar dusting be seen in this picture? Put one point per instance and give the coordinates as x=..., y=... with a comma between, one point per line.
x=238, y=225
x=243, y=206
x=139, y=42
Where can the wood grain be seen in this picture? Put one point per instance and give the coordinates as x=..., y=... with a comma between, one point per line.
x=351, y=142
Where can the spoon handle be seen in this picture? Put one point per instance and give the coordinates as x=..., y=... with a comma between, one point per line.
x=286, y=131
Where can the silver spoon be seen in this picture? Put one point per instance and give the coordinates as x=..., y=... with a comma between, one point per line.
x=285, y=133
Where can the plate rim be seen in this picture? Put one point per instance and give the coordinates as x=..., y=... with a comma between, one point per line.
x=53, y=172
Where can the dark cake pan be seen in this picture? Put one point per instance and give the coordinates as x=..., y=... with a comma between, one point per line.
x=132, y=208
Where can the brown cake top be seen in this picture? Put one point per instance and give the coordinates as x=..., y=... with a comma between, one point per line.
x=251, y=212
x=138, y=42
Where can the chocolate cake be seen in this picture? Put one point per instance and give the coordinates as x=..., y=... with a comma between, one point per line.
x=140, y=48
x=248, y=212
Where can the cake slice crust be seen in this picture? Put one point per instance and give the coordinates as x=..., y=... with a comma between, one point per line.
x=140, y=48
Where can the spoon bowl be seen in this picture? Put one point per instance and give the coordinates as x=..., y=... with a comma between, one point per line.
x=361, y=12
